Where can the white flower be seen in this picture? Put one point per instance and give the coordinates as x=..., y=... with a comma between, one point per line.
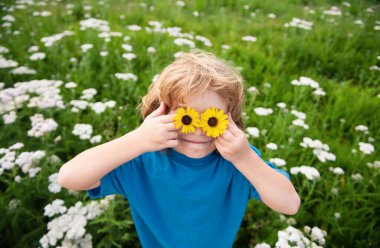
x=54, y=186
x=126, y=47
x=41, y=126
x=281, y=105
x=299, y=23
x=366, y=148
x=23, y=70
x=151, y=50
x=84, y=131
x=56, y=207
x=10, y=117
x=183, y=41
x=277, y=161
x=103, y=53
x=253, y=131
x=311, y=173
x=249, y=38
x=96, y=139
x=337, y=170
x=70, y=85
x=361, y=128
x=86, y=47
x=134, y=27
x=272, y=146
x=263, y=111
x=129, y=56
x=126, y=76
x=37, y=56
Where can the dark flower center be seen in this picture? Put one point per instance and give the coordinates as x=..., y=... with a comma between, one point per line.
x=186, y=120
x=212, y=122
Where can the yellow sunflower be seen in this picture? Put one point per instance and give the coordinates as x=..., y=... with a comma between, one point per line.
x=214, y=122
x=187, y=119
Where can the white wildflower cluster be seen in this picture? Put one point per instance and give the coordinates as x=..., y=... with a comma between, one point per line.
x=126, y=76
x=129, y=56
x=134, y=27
x=300, y=121
x=97, y=107
x=23, y=70
x=253, y=131
x=299, y=23
x=84, y=131
x=41, y=13
x=25, y=160
x=309, y=82
x=311, y=173
x=366, y=148
x=54, y=186
x=93, y=23
x=319, y=149
x=10, y=117
x=249, y=38
x=375, y=164
x=277, y=161
x=41, y=126
x=336, y=170
x=50, y=40
x=263, y=111
x=362, y=128
x=46, y=95
x=37, y=56
x=86, y=47
x=184, y=41
x=88, y=94
x=70, y=224
x=253, y=90
x=151, y=50
x=7, y=63
x=291, y=236
x=377, y=26
x=357, y=177
x=333, y=11
x=7, y=21
x=205, y=41
x=272, y=146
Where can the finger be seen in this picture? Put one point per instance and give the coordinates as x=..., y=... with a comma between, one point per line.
x=172, y=135
x=221, y=141
x=227, y=135
x=232, y=125
x=167, y=118
x=159, y=111
x=170, y=127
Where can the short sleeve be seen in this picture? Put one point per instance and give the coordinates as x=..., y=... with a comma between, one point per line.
x=115, y=182
x=253, y=192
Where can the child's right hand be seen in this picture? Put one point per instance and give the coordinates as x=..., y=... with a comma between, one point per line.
x=158, y=130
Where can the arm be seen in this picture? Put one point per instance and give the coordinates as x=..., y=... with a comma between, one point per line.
x=275, y=189
x=86, y=169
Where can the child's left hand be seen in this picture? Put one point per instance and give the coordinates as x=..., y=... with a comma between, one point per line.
x=233, y=145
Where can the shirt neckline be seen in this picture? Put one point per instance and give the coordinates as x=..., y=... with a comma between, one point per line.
x=194, y=162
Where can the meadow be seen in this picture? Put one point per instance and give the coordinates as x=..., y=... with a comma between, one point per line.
x=73, y=72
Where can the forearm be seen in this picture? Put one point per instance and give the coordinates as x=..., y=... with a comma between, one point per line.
x=91, y=165
x=275, y=190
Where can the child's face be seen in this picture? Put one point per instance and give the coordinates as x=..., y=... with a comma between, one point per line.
x=198, y=144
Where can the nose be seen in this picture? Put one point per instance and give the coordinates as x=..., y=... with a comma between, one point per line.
x=198, y=131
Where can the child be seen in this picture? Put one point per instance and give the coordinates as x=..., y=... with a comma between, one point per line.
x=185, y=189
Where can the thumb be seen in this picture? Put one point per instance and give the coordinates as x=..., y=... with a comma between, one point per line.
x=159, y=111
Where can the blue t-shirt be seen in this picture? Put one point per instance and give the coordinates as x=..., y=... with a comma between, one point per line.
x=179, y=201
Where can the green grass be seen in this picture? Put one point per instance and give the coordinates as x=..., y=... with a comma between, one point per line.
x=336, y=54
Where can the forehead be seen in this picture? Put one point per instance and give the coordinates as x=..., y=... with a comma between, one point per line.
x=201, y=102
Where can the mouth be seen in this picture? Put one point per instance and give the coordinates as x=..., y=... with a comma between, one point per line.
x=196, y=142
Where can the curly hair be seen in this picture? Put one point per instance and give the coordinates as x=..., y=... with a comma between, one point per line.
x=194, y=73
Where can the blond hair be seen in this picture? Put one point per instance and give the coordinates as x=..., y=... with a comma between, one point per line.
x=194, y=73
